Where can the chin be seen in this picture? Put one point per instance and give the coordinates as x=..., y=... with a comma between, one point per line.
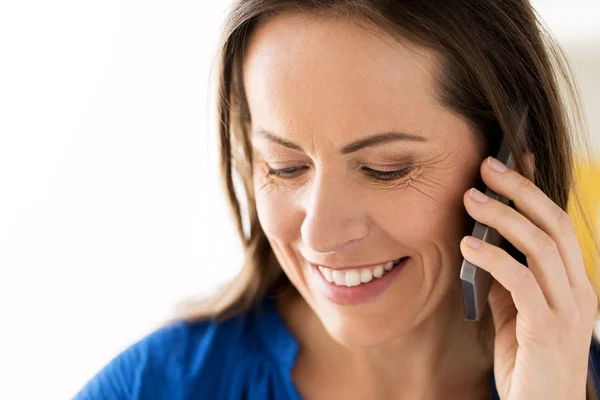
x=364, y=330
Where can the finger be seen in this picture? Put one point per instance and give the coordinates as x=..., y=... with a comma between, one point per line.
x=502, y=305
x=541, y=211
x=514, y=276
x=504, y=314
x=543, y=258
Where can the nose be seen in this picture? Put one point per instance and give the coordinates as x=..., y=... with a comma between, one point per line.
x=334, y=218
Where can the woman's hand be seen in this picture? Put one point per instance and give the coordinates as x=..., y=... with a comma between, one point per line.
x=543, y=315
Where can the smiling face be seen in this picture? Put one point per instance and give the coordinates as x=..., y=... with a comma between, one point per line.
x=316, y=91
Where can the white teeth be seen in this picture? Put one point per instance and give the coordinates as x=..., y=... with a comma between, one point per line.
x=378, y=271
x=339, y=278
x=365, y=275
x=327, y=273
x=354, y=277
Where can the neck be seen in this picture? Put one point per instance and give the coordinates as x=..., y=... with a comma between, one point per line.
x=442, y=357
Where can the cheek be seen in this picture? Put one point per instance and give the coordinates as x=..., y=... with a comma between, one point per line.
x=277, y=214
x=418, y=215
x=280, y=219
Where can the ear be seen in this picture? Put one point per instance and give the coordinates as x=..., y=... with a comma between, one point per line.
x=529, y=165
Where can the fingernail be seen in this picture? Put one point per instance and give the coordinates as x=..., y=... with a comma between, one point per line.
x=496, y=165
x=478, y=196
x=472, y=242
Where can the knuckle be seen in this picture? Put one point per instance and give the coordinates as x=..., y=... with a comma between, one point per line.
x=545, y=244
x=496, y=255
x=523, y=279
x=565, y=222
x=503, y=213
x=523, y=182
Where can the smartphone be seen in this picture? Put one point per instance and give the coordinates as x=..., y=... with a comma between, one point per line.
x=476, y=282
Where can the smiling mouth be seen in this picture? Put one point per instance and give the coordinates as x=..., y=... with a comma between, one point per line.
x=357, y=276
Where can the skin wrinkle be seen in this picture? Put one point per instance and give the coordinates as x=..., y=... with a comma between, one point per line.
x=323, y=86
x=417, y=174
x=433, y=180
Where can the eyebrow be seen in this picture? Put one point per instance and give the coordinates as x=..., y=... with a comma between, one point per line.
x=377, y=139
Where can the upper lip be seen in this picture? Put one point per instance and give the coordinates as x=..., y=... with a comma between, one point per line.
x=354, y=266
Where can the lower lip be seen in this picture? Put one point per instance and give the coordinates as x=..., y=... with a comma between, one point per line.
x=354, y=294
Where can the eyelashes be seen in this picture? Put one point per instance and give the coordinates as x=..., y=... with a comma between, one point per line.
x=294, y=172
x=286, y=173
x=387, y=175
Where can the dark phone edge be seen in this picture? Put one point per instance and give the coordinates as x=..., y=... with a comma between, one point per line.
x=476, y=282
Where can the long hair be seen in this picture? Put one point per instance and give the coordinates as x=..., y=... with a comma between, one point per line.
x=496, y=58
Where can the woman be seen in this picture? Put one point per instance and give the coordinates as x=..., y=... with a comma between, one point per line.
x=358, y=129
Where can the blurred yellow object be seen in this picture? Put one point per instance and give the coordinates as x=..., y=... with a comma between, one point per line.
x=589, y=176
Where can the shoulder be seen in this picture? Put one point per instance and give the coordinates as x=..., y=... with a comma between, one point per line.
x=176, y=360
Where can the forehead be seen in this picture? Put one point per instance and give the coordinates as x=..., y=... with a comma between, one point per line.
x=336, y=75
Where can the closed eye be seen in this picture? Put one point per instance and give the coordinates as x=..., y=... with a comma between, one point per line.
x=293, y=172
x=387, y=175
x=286, y=173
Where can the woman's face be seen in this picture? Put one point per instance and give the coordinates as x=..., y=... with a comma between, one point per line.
x=320, y=87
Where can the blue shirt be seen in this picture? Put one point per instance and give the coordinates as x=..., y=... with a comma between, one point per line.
x=249, y=356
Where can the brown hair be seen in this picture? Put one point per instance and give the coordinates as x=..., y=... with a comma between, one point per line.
x=496, y=58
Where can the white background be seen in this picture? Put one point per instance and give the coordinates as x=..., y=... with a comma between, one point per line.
x=110, y=208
